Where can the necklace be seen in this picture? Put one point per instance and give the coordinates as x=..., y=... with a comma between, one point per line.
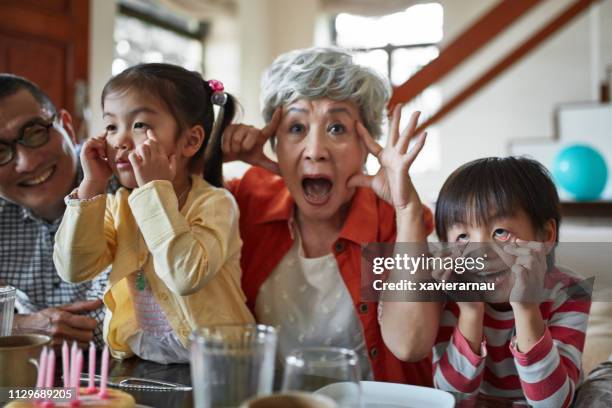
x=182, y=195
x=141, y=281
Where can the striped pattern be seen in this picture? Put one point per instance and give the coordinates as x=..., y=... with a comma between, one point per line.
x=149, y=314
x=26, y=262
x=546, y=375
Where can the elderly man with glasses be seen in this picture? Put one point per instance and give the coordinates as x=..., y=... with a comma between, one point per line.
x=38, y=168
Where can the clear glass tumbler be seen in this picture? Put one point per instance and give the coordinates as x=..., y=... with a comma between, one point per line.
x=7, y=309
x=232, y=363
x=330, y=371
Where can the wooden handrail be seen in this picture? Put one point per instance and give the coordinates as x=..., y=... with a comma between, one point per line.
x=471, y=40
x=510, y=59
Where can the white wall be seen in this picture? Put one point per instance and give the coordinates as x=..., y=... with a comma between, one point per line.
x=605, y=24
x=521, y=101
x=267, y=29
x=101, y=46
x=222, y=53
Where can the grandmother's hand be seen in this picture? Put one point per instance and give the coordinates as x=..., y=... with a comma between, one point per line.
x=392, y=182
x=246, y=143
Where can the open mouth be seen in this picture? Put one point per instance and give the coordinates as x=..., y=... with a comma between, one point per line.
x=123, y=164
x=317, y=189
x=40, y=179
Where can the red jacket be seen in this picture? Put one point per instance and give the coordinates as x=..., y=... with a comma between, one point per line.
x=265, y=208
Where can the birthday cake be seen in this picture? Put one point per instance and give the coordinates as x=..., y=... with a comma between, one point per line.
x=91, y=396
x=115, y=398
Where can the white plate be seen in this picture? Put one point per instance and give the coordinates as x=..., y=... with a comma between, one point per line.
x=389, y=395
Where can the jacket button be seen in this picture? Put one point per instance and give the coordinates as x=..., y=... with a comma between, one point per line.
x=363, y=308
x=373, y=352
x=163, y=297
x=339, y=246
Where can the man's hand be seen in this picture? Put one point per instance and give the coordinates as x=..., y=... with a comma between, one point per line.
x=65, y=322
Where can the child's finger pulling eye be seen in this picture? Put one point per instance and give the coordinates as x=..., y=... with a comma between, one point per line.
x=534, y=245
x=153, y=146
x=134, y=157
x=525, y=261
x=517, y=251
x=509, y=248
x=144, y=150
x=101, y=148
x=151, y=135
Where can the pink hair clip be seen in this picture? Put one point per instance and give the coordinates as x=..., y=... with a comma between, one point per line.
x=218, y=97
x=216, y=86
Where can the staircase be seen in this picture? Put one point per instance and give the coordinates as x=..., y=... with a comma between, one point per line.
x=586, y=123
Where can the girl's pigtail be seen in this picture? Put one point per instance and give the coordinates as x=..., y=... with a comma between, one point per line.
x=213, y=155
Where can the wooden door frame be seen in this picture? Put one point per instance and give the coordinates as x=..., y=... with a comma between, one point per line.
x=67, y=29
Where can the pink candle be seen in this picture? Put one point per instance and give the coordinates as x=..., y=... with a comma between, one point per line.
x=49, y=380
x=91, y=388
x=42, y=368
x=50, y=372
x=65, y=365
x=73, y=354
x=75, y=379
x=79, y=365
x=104, y=374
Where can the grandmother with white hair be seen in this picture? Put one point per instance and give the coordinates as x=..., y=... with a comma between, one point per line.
x=304, y=218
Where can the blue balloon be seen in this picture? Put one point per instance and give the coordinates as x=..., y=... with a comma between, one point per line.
x=581, y=171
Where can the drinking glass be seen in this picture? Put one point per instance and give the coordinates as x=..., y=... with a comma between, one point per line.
x=232, y=363
x=7, y=309
x=330, y=371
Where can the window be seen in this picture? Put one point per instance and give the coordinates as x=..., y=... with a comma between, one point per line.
x=147, y=33
x=397, y=46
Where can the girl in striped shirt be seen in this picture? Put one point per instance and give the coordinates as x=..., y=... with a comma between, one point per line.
x=511, y=344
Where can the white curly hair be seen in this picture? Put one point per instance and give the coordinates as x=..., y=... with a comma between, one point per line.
x=320, y=72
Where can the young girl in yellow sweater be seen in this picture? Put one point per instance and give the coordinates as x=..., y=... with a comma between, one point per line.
x=171, y=236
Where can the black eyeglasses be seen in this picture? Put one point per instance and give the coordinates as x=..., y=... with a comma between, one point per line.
x=32, y=135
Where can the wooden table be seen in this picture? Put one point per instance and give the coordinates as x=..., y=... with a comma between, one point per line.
x=179, y=373
x=485, y=401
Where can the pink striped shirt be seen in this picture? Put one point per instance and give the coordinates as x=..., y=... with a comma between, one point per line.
x=546, y=375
